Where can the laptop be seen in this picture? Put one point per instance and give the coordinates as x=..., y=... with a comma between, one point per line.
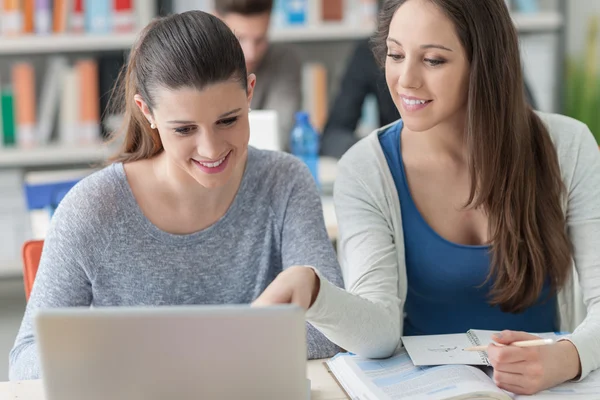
x=175, y=352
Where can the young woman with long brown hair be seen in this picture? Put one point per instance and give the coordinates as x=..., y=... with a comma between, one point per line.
x=471, y=211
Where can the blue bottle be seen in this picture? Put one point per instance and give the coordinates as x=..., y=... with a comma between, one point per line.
x=304, y=143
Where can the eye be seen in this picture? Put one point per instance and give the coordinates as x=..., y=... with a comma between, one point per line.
x=434, y=62
x=395, y=57
x=185, y=130
x=227, y=121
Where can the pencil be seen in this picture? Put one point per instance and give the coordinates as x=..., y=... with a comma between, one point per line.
x=522, y=343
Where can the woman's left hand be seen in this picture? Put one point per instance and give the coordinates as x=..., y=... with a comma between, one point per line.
x=528, y=370
x=297, y=285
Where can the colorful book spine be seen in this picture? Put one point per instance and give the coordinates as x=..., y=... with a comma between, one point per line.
x=50, y=98
x=332, y=10
x=68, y=131
x=28, y=16
x=60, y=16
x=314, y=93
x=97, y=16
x=8, y=117
x=123, y=17
x=12, y=17
x=89, y=107
x=296, y=11
x=77, y=19
x=43, y=17
x=23, y=80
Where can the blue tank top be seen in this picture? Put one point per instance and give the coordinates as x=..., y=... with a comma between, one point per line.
x=446, y=293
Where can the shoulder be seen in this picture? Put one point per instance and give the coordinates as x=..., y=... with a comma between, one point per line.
x=366, y=157
x=564, y=131
x=572, y=139
x=94, y=199
x=276, y=170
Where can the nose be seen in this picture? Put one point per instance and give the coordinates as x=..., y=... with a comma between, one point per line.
x=209, y=146
x=410, y=75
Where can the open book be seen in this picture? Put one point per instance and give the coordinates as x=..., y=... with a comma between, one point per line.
x=397, y=378
x=448, y=349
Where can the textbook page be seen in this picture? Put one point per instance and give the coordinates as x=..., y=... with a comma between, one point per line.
x=588, y=389
x=396, y=378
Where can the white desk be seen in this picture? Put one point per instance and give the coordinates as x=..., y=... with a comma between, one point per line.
x=323, y=386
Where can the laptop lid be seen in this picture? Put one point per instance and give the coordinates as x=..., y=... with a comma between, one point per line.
x=181, y=352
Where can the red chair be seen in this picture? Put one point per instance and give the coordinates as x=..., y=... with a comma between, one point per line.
x=31, y=252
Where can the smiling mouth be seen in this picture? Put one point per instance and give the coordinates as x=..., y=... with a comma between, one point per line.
x=214, y=164
x=412, y=102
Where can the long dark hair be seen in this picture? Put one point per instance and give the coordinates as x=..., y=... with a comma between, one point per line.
x=192, y=49
x=515, y=175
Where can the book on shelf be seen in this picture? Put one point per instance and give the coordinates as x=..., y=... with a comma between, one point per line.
x=298, y=13
x=69, y=100
x=290, y=13
x=314, y=93
x=397, y=378
x=23, y=79
x=11, y=22
x=43, y=17
x=8, y=117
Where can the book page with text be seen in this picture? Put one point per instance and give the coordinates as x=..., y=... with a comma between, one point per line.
x=396, y=378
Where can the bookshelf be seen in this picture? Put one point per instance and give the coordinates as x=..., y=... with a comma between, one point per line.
x=322, y=32
x=65, y=43
x=546, y=21
x=52, y=155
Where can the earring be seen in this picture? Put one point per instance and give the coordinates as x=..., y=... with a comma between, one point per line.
x=152, y=126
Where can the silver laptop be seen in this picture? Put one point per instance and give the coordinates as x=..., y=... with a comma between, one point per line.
x=181, y=352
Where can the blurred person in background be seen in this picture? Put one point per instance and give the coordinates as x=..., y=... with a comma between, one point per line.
x=276, y=66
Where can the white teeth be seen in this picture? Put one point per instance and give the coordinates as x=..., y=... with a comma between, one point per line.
x=214, y=164
x=413, y=102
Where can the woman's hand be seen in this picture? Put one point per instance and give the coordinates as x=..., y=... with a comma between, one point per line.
x=528, y=370
x=297, y=285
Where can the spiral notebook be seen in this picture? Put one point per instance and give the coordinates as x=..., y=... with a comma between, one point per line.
x=448, y=349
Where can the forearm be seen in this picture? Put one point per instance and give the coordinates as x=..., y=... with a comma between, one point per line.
x=23, y=361
x=367, y=328
x=586, y=340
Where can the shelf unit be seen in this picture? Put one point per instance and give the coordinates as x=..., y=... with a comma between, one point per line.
x=323, y=32
x=72, y=43
x=54, y=155
x=539, y=22
x=65, y=43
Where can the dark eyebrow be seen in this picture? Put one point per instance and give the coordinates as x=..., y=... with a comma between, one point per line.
x=228, y=113
x=423, y=46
